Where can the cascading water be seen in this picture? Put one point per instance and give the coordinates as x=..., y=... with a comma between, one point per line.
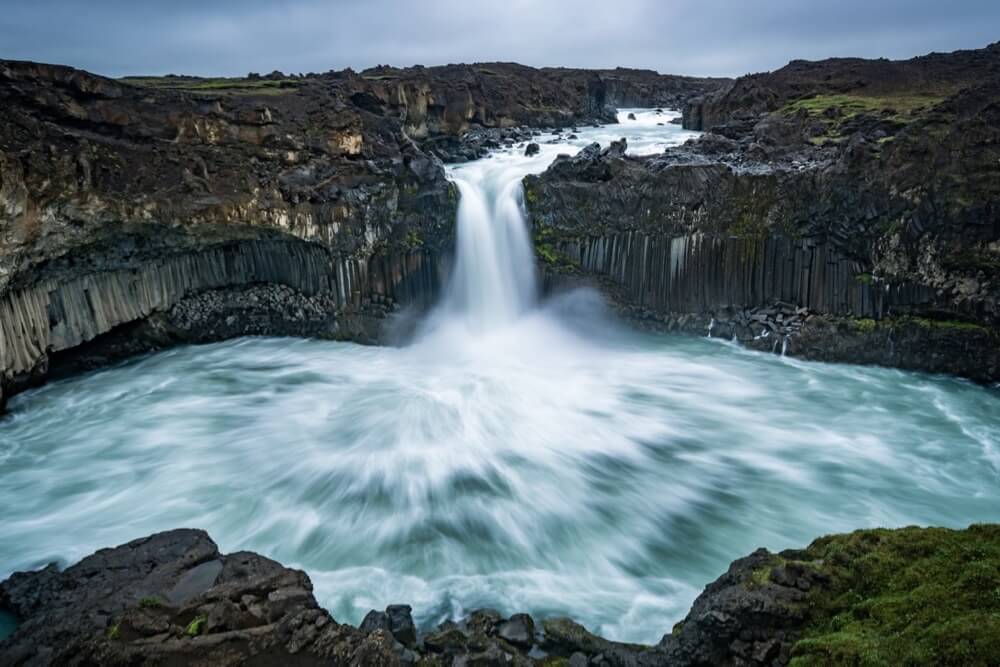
x=535, y=459
x=494, y=279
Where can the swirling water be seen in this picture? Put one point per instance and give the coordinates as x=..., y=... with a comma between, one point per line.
x=535, y=457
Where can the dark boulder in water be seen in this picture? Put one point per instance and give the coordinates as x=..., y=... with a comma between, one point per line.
x=631, y=116
x=532, y=149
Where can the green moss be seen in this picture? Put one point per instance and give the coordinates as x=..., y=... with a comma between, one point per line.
x=413, y=240
x=864, y=278
x=913, y=596
x=836, y=110
x=545, y=249
x=150, y=602
x=193, y=628
x=865, y=324
x=215, y=85
x=762, y=575
x=868, y=325
x=115, y=632
x=901, y=106
x=530, y=196
x=945, y=324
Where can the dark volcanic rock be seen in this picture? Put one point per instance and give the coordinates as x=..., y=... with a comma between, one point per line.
x=532, y=149
x=737, y=621
x=172, y=598
x=853, y=218
x=395, y=620
x=119, y=199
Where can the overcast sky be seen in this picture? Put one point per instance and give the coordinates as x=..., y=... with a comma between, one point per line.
x=701, y=37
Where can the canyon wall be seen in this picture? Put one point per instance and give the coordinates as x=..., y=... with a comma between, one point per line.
x=140, y=212
x=859, y=227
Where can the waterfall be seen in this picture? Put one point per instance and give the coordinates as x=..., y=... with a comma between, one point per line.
x=494, y=281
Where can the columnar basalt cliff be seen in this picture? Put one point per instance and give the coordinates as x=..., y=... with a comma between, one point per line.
x=172, y=598
x=861, y=226
x=145, y=211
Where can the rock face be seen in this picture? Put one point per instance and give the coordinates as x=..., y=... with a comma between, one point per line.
x=172, y=598
x=139, y=212
x=840, y=211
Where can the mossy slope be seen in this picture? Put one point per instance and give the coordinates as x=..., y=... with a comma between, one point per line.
x=913, y=596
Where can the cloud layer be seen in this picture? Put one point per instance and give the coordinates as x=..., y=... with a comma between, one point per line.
x=702, y=37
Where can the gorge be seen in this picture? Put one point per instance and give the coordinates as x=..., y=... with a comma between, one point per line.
x=520, y=441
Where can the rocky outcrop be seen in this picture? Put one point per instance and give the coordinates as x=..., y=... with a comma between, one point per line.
x=451, y=99
x=142, y=211
x=132, y=216
x=172, y=598
x=933, y=76
x=885, y=216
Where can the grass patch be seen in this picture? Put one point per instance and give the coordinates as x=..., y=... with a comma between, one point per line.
x=194, y=628
x=913, y=596
x=904, y=107
x=150, y=602
x=838, y=111
x=215, y=85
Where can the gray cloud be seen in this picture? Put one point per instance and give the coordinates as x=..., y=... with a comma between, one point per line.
x=703, y=37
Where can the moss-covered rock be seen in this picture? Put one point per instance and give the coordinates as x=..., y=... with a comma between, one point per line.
x=913, y=596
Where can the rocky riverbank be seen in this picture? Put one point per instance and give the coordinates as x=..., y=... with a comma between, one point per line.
x=859, y=194
x=142, y=212
x=913, y=596
x=842, y=210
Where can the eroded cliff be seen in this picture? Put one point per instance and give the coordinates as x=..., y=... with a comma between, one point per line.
x=858, y=227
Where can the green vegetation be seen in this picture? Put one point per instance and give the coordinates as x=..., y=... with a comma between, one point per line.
x=545, y=249
x=193, y=628
x=867, y=325
x=530, y=195
x=945, y=324
x=150, y=602
x=762, y=575
x=864, y=278
x=838, y=110
x=413, y=240
x=235, y=86
x=903, y=107
x=913, y=596
x=114, y=632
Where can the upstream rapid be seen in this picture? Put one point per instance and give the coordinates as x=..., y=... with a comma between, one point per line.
x=519, y=454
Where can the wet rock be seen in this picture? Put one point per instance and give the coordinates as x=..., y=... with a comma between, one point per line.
x=631, y=116
x=395, y=620
x=519, y=629
x=115, y=607
x=616, y=149
x=532, y=149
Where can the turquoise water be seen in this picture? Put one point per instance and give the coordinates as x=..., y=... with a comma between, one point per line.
x=556, y=465
x=7, y=624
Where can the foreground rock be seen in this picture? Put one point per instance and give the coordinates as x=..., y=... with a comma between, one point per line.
x=172, y=598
